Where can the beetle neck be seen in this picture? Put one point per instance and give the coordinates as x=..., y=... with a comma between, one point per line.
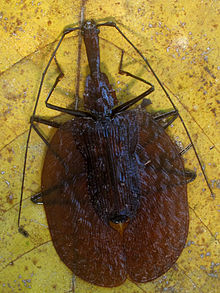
x=93, y=54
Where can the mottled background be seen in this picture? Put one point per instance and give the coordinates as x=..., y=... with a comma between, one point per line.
x=181, y=41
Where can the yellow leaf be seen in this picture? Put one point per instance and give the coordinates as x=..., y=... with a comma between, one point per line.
x=181, y=41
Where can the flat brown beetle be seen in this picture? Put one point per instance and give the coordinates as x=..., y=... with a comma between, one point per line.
x=113, y=183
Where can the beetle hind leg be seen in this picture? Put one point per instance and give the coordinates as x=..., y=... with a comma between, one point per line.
x=190, y=175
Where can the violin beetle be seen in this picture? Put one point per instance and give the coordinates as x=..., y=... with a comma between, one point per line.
x=113, y=183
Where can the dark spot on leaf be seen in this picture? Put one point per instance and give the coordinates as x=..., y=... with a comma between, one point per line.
x=10, y=198
x=18, y=21
x=214, y=111
x=9, y=159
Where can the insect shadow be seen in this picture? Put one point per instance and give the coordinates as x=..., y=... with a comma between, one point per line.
x=113, y=183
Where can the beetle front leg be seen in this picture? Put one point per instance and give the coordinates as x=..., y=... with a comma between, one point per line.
x=133, y=101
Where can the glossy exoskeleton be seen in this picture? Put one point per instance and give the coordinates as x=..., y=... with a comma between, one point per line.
x=113, y=183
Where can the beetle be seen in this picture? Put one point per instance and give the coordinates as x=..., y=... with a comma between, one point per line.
x=113, y=183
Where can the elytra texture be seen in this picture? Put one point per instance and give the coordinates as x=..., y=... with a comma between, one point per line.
x=98, y=168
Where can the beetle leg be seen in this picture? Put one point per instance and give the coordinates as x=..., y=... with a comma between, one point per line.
x=166, y=119
x=168, y=168
x=38, y=197
x=77, y=113
x=123, y=72
x=128, y=104
x=44, y=121
x=190, y=175
x=37, y=130
x=185, y=149
x=59, y=77
x=145, y=102
x=133, y=101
